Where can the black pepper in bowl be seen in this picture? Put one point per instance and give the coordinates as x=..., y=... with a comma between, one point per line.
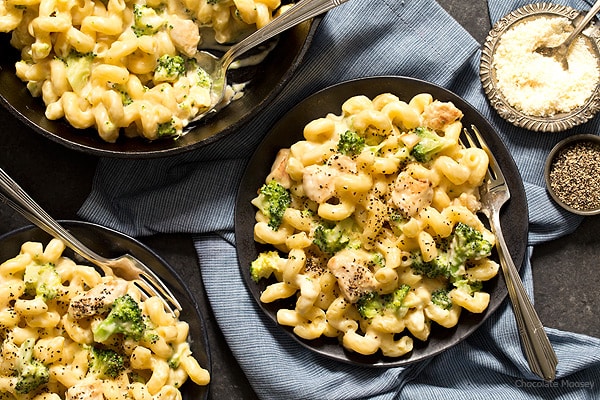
x=573, y=174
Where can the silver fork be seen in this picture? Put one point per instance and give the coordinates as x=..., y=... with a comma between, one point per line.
x=217, y=67
x=494, y=194
x=126, y=267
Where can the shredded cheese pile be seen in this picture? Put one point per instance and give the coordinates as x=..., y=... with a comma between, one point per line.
x=537, y=85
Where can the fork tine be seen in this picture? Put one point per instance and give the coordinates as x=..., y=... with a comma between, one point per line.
x=130, y=268
x=159, y=288
x=494, y=171
x=150, y=289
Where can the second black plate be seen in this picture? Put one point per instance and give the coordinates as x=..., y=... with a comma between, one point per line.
x=111, y=243
x=288, y=130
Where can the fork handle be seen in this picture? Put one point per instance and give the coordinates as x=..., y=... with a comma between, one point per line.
x=538, y=349
x=298, y=13
x=16, y=198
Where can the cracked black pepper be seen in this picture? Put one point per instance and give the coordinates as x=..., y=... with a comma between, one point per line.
x=574, y=175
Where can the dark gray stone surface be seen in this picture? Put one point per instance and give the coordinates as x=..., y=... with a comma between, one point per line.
x=566, y=281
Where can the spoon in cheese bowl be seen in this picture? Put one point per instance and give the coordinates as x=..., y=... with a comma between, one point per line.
x=560, y=52
x=217, y=67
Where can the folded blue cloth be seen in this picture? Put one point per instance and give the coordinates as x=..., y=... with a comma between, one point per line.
x=195, y=193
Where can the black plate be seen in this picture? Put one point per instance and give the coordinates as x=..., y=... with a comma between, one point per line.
x=288, y=130
x=267, y=80
x=110, y=243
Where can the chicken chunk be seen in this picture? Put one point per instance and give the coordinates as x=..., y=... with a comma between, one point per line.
x=85, y=391
x=439, y=114
x=354, y=278
x=185, y=35
x=411, y=195
x=98, y=299
x=278, y=171
x=318, y=181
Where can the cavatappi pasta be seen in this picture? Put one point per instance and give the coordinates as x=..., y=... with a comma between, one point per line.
x=126, y=66
x=50, y=313
x=373, y=220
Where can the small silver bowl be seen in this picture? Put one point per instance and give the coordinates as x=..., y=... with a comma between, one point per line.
x=572, y=174
x=558, y=122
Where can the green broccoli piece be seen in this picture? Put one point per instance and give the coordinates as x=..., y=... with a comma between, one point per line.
x=430, y=143
x=182, y=350
x=198, y=74
x=333, y=237
x=265, y=264
x=125, y=96
x=350, y=143
x=466, y=285
x=273, y=199
x=169, y=68
x=438, y=267
x=330, y=239
x=166, y=129
x=372, y=304
x=146, y=21
x=79, y=69
x=125, y=317
x=42, y=281
x=204, y=79
x=31, y=373
x=377, y=261
x=105, y=363
x=467, y=244
x=441, y=298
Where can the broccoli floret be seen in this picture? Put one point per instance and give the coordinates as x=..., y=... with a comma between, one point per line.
x=31, y=373
x=265, y=264
x=105, y=363
x=204, y=79
x=146, y=21
x=377, y=261
x=372, y=304
x=438, y=267
x=465, y=244
x=169, y=68
x=330, y=239
x=466, y=285
x=441, y=298
x=167, y=129
x=273, y=199
x=42, y=281
x=430, y=143
x=198, y=74
x=124, y=317
x=350, y=143
x=79, y=69
x=333, y=237
x=125, y=96
x=182, y=350
x=468, y=244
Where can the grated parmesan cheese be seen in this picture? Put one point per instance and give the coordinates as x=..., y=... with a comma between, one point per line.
x=537, y=85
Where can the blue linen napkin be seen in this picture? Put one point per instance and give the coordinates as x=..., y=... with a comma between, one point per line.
x=195, y=193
